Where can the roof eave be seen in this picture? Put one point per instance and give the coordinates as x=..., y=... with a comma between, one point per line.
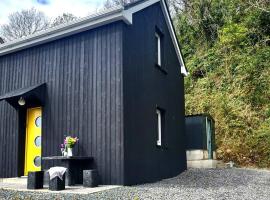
x=184, y=70
x=62, y=31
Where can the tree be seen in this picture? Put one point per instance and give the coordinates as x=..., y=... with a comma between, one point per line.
x=111, y=3
x=24, y=23
x=66, y=17
x=176, y=5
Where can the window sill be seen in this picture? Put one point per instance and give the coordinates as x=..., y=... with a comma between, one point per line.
x=164, y=71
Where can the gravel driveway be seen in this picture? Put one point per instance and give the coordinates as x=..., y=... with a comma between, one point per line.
x=195, y=184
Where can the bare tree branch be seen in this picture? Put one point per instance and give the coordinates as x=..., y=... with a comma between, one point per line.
x=24, y=23
x=66, y=17
x=111, y=3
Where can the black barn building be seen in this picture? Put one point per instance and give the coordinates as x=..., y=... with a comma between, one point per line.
x=114, y=79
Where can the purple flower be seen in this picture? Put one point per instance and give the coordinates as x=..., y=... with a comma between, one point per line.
x=62, y=146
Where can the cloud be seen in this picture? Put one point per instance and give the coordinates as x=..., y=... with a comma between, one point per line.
x=51, y=8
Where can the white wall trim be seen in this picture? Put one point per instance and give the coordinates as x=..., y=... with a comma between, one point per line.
x=174, y=38
x=142, y=5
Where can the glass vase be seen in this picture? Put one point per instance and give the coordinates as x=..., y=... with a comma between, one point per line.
x=69, y=152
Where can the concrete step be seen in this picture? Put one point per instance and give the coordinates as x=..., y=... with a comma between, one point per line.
x=198, y=154
x=19, y=180
x=207, y=164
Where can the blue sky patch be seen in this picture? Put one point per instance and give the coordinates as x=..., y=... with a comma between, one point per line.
x=44, y=2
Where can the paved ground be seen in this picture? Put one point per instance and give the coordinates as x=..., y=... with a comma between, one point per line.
x=220, y=184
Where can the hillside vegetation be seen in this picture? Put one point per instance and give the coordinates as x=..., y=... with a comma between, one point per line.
x=226, y=45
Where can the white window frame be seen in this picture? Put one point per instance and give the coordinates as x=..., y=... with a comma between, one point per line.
x=159, y=118
x=157, y=35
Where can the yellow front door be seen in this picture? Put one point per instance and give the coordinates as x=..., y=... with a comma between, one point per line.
x=33, y=141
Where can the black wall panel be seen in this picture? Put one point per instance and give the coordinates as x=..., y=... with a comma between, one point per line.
x=146, y=87
x=104, y=87
x=196, y=132
x=84, y=98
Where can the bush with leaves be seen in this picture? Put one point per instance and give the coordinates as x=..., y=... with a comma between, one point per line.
x=229, y=43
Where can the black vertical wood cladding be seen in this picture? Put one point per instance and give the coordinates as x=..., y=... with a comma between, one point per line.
x=145, y=88
x=84, y=98
x=104, y=87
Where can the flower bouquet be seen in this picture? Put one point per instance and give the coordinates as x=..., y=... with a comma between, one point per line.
x=69, y=143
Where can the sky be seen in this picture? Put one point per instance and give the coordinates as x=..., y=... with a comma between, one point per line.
x=51, y=8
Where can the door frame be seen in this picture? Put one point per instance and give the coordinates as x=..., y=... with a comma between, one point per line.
x=22, y=125
x=209, y=137
x=26, y=134
x=22, y=112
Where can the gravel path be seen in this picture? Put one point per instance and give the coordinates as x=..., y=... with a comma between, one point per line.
x=195, y=184
x=199, y=184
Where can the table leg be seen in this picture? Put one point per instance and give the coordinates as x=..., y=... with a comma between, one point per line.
x=70, y=173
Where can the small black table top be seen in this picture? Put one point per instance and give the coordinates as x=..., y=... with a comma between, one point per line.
x=67, y=158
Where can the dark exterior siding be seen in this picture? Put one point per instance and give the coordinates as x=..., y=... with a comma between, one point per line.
x=196, y=132
x=104, y=87
x=145, y=88
x=84, y=98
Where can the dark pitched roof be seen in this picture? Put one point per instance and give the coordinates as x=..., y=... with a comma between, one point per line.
x=124, y=13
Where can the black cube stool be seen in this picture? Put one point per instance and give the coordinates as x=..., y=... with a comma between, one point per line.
x=57, y=184
x=90, y=178
x=35, y=180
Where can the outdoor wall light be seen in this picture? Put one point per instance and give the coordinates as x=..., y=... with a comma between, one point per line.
x=21, y=101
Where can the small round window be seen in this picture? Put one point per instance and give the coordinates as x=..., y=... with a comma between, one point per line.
x=38, y=122
x=37, y=161
x=38, y=141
